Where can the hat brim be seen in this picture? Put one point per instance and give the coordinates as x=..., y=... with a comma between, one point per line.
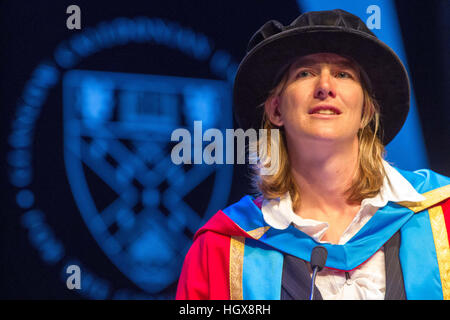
x=258, y=70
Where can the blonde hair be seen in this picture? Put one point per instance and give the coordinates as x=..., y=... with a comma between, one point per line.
x=369, y=177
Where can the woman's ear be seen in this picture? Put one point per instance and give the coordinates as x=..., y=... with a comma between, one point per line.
x=272, y=107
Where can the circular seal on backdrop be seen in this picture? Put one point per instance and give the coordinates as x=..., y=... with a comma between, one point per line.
x=140, y=207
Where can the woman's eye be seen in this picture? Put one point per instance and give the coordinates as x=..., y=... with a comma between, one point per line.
x=303, y=74
x=343, y=74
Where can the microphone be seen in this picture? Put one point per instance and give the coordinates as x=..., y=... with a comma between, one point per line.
x=318, y=258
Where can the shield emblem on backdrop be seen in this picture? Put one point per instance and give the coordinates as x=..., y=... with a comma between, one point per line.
x=141, y=208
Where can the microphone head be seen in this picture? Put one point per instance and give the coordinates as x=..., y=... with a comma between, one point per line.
x=318, y=257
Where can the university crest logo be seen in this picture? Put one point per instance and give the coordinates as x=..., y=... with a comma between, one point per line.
x=141, y=208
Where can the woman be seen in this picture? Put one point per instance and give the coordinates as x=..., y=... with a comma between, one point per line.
x=337, y=95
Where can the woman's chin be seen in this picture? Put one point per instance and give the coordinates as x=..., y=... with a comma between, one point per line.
x=330, y=137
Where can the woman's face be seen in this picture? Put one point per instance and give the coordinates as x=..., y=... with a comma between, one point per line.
x=322, y=100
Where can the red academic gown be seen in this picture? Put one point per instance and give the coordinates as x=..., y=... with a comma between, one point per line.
x=236, y=255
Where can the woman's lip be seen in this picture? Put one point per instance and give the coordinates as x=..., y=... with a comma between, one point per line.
x=316, y=109
x=324, y=116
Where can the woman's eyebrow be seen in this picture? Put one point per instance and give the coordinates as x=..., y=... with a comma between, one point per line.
x=341, y=63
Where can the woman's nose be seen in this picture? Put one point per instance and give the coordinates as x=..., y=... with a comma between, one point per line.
x=324, y=87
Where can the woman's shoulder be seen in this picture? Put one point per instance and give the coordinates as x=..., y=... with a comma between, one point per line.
x=235, y=220
x=226, y=221
x=425, y=180
x=433, y=186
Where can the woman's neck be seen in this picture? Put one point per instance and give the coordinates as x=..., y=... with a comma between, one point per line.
x=323, y=174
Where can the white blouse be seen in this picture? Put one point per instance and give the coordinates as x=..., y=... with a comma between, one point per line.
x=368, y=281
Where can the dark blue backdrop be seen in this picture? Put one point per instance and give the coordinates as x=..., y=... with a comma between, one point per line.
x=85, y=170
